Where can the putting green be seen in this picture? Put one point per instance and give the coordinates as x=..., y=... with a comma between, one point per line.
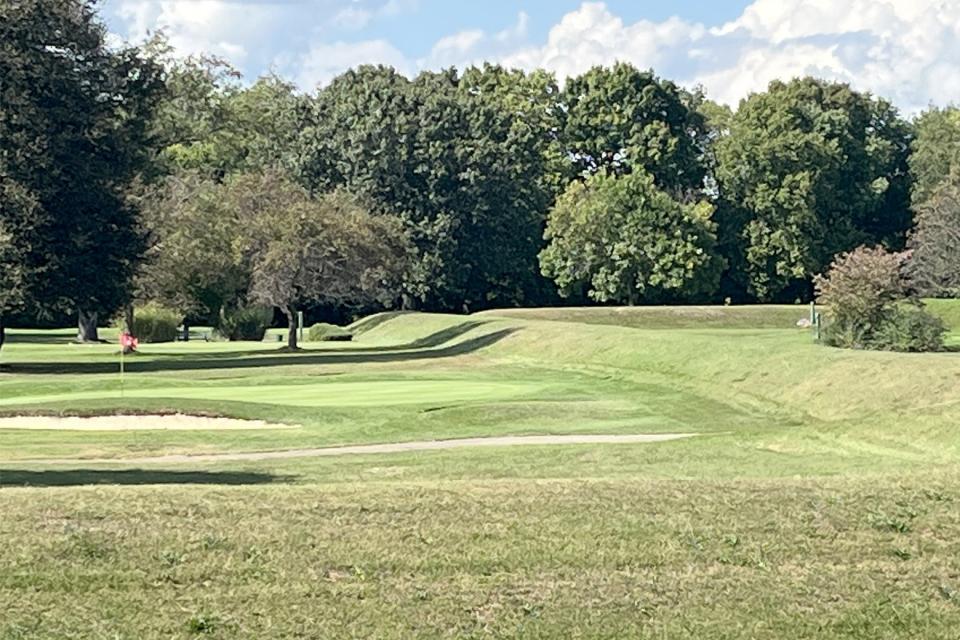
x=325, y=394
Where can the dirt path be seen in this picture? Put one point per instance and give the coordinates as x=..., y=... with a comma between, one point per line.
x=399, y=447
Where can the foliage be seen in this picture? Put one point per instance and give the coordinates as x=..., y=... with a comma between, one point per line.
x=19, y=216
x=155, y=323
x=325, y=332
x=619, y=119
x=74, y=133
x=934, y=242
x=245, y=323
x=808, y=169
x=935, y=151
x=190, y=263
x=910, y=328
x=302, y=249
x=624, y=240
x=869, y=306
x=432, y=152
x=210, y=124
x=860, y=290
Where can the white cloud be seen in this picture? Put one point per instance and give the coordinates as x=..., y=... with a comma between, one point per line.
x=474, y=46
x=358, y=15
x=219, y=27
x=907, y=50
x=324, y=61
x=592, y=35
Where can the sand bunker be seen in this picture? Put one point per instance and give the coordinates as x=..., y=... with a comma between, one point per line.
x=177, y=422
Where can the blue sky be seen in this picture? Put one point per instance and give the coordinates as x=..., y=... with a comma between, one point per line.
x=907, y=50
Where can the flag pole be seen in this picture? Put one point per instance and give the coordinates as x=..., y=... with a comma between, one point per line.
x=122, y=350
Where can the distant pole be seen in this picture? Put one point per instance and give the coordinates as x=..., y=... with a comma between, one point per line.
x=300, y=324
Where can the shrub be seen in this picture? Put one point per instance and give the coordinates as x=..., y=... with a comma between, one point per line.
x=156, y=323
x=909, y=328
x=869, y=305
x=245, y=323
x=860, y=291
x=324, y=332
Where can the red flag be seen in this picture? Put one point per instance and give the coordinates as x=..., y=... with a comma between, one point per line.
x=128, y=341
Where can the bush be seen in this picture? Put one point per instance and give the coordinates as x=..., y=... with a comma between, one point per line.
x=155, y=323
x=869, y=305
x=245, y=323
x=860, y=290
x=909, y=328
x=324, y=332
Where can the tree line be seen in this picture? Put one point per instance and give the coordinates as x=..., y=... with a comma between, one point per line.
x=130, y=175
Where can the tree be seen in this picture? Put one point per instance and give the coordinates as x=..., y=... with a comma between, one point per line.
x=619, y=119
x=505, y=158
x=809, y=169
x=73, y=129
x=870, y=304
x=190, y=264
x=462, y=161
x=302, y=249
x=934, y=267
x=18, y=219
x=621, y=239
x=935, y=151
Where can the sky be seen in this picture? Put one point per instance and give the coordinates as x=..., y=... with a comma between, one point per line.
x=905, y=50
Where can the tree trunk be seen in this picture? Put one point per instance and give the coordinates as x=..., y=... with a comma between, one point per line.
x=292, y=329
x=186, y=331
x=128, y=321
x=3, y=333
x=87, y=327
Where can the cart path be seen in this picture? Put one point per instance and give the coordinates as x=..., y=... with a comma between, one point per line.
x=397, y=447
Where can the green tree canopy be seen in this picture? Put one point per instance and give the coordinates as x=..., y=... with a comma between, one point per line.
x=462, y=161
x=936, y=151
x=622, y=239
x=74, y=132
x=302, y=249
x=620, y=118
x=809, y=169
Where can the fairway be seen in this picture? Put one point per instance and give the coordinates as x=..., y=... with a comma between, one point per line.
x=512, y=474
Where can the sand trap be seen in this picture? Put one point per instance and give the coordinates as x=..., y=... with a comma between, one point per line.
x=176, y=422
x=396, y=447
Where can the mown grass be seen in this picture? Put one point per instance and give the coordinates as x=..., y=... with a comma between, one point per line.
x=589, y=559
x=821, y=501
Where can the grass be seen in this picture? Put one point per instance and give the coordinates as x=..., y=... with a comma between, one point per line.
x=821, y=500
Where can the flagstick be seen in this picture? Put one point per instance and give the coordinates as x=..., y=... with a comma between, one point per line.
x=122, y=349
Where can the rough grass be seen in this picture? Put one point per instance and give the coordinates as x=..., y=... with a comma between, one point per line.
x=589, y=559
x=820, y=503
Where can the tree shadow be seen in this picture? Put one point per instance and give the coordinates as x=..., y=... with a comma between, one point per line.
x=260, y=358
x=81, y=477
x=19, y=336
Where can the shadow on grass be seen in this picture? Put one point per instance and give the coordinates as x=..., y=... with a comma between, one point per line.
x=254, y=359
x=81, y=477
x=20, y=336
